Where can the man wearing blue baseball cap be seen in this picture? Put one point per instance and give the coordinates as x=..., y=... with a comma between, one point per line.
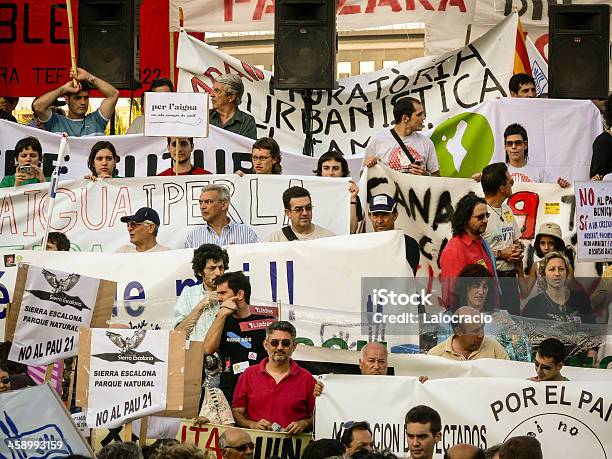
x=383, y=213
x=142, y=227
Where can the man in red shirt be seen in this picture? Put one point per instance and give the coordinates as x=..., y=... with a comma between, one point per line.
x=276, y=394
x=469, y=222
x=180, y=149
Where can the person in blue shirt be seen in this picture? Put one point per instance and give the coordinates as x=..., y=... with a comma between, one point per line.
x=78, y=123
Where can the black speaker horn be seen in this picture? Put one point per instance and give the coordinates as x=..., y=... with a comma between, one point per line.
x=305, y=44
x=578, y=51
x=109, y=45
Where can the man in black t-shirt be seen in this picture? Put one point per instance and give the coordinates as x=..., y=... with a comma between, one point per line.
x=383, y=213
x=237, y=334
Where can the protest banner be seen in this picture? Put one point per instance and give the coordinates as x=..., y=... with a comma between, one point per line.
x=79, y=420
x=241, y=15
x=176, y=114
x=539, y=67
x=325, y=273
x=267, y=443
x=594, y=220
x=345, y=118
x=35, y=423
x=569, y=419
x=45, y=319
x=35, y=46
x=89, y=212
x=445, y=35
x=126, y=374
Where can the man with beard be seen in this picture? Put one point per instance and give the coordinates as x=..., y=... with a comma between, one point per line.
x=197, y=307
x=277, y=394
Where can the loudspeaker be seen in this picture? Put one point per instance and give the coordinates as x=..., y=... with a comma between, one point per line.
x=109, y=47
x=305, y=44
x=578, y=51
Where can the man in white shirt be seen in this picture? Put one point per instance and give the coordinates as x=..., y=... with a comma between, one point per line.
x=142, y=227
x=298, y=208
x=403, y=148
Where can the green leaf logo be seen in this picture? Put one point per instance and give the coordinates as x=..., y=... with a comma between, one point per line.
x=464, y=144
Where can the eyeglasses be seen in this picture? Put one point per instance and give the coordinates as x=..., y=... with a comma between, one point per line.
x=284, y=342
x=5, y=381
x=243, y=447
x=481, y=217
x=518, y=143
x=299, y=210
x=260, y=158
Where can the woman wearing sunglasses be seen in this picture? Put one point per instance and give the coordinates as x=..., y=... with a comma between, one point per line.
x=5, y=379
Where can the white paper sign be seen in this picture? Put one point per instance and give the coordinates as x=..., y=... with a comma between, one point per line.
x=594, y=220
x=55, y=305
x=79, y=420
x=37, y=415
x=176, y=114
x=128, y=375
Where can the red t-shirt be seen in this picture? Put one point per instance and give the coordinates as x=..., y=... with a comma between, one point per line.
x=290, y=400
x=458, y=253
x=194, y=171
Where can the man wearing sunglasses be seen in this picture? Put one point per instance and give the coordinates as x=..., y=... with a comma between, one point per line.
x=277, y=394
x=549, y=360
x=142, y=228
x=5, y=379
x=469, y=222
x=236, y=444
x=298, y=209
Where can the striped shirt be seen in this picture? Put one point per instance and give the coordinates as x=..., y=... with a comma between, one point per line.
x=232, y=233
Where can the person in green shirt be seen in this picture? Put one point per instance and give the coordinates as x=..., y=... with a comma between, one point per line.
x=102, y=161
x=28, y=159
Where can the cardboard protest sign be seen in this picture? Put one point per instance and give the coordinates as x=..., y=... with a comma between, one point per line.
x=267, y=443
x=176, y=114
x=50, y=307
x=594, y=220
x=125, y=374
x=569, y=419
x=47, y=433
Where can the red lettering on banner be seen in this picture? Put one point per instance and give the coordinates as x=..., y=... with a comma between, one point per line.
x=214, y=436
x=411, y=6
x=7, y=211
x=228, y=10
x=32, y=196
x=394, y=4
x=197, y=431
x=525, y=204
x=347, y=9
x=123, y=205
x=183, y=434
x=253, y=71
x=84, y=206
x=457, y=3
x=71, y=216
x=229, y=66
x=259, y=9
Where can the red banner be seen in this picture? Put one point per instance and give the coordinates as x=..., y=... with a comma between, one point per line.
x=35, y=47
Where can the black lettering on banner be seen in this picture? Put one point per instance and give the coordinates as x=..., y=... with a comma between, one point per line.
x=152, y=165
x=461, y=58
x=150, y=74
x=334, y=95
x=421, y=95
x=367, y=111
x=334, y=117
x=357, y=93
x=198, y=158
x=509, y=7
x=220, y=160
x=403, y=78
x=280, y=113
x=26, y=26
x=130, y=165
x=443, y=96
x=571, y=200
x=315, y=117
x=239, y=159
x=444, y=210
x=8, y=76
x=333, y=146
x=56, y=24
x=268, y=113
x=373, y=183
x=10, y=23
x=496, y=86
x=316, y=96
x=422, y=243
x=377, y=82
x=424, y=72
x=456, y=94
x=383, y=104
x=416, y=203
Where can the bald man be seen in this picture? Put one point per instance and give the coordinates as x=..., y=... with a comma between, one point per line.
x=464, y=451
x=236, y=443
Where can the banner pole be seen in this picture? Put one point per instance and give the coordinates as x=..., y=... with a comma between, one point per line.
x=73, y=62
x=468, y=33
x=142, y=437
x=53, y=187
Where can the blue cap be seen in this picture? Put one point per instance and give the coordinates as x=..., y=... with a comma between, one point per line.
x=382, y=203
x=141, y=215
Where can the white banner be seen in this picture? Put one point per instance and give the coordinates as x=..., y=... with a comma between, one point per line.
x=569, y=419
x=250, y=15
x=55, y=306
x=539, y=67
x=594, y=217
x=223, y=152
x=445, y=35
x=89, y=213
x=324, y=273
x=345, y=118
x=128, y=375
x=34, y=423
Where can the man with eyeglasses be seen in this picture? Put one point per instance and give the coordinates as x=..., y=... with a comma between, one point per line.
x=142, y=227
x=502, y=234
x=236, y=333
x=218, y=228
x=549, y=360
x=236, y=444
x=277, y=394
x=298, y=208
x=469, y=222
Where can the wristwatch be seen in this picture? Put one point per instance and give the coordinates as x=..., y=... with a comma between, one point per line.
x=91, y=79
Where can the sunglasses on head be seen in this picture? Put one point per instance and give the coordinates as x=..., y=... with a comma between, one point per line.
x=284, y=342
x=5, y=380
x=243, y=447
